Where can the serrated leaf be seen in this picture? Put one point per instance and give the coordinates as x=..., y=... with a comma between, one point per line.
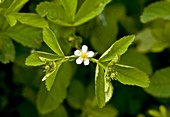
x=31, y=19
x=89, y=10
x=38, y=58
x=54, y=12
x=131, y=76
x=70, y=7
x=136, y=59
x=15, y=6
x=48, y=101
x=117, y=48
x=100, y=86
x=34, y=60
x=7, y=50
x=160, y=81
x=50, y=77
x=25, y=35
x=51, y=40
x=156, y=10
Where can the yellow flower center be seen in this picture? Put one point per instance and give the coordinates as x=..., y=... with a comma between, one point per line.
x=83, y=55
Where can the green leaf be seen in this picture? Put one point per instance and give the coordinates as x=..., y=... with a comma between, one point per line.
x=31, y=19
x=154, y=113
x=156, y=10
x=107, y=111
x=5, y=4
x=76, y=96
x=100, y=86
x=16, y=6
x=162, y=112
x=54, y=12
x=51, y=40
x=89, y=10
x=65, y=14
x=155, y=39
x=3, y=25
x=50, y=77
x=38, y=58
x=48, y=101
x=107, y=24
x=7, y=50
x=70, y=7
x=59, y=112
x=108, y=90
x=25, y=35
x=145, y=40
x=131, y=76
x=11, y=20
x=34, y=60
x=136, y=59
x=118, y=48
x=160, y=81
x=48, y=56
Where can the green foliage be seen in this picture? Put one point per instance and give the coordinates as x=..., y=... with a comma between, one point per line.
x=34, y=60
x=159, y=86
x=51, y=40
x=38, y=58
x=89, y=10
x=50, y=34
x=25, y=35
x=15, y=6
x=31, y=19
x=158, y=39
x=76, y=98
x=108, y=111
x=7, y=50
x=108, y=26
x=161, y=113
x=59, y=112
x=70, y=8
x=118, y=48
x=155, y=11
x=48, y=101
x=55, y=12
x=131, y=76
x=100, y=86
x=136, y=59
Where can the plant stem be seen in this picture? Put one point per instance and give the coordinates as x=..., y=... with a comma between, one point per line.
x=96, y=61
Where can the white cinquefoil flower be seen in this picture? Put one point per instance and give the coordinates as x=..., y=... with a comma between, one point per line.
x=83, y=55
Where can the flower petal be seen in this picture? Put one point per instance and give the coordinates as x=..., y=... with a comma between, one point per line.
x=86, y=62
x=90, y=54
x=84, y=48
x=77, y=52
x=79, y=60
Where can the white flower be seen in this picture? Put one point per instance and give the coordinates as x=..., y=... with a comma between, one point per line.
x=84, y=55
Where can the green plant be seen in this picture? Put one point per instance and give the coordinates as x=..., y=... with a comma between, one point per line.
x=57, y=33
